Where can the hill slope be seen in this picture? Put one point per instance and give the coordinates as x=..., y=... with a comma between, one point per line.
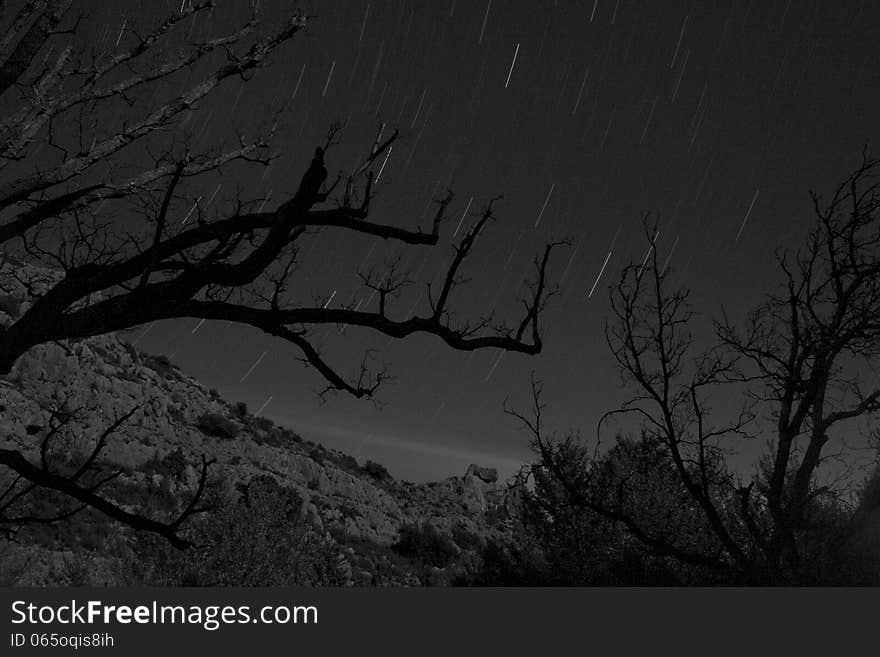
x=357, y=509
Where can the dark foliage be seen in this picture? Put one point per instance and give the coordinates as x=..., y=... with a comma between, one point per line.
x=160, y=363
x=219, y=426
x=427, y=544
x=376, y=470
x=557, y=543
x=257, y=537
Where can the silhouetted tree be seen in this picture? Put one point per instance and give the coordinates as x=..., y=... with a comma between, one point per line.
x=586, y=509
x=805, y=357
x=64, y=482
x=96, y=161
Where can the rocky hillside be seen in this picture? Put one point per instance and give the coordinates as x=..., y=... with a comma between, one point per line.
x=357, y=506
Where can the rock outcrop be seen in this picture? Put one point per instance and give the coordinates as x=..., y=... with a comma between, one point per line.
x=98, y=379
x=487, y=475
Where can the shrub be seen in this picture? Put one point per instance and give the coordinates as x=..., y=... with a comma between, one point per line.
x=218, y=425
x=376, y=470
x=426, y=543
x=255, y=538
x=161, y=364
x=173, y=464
x=274, y=437
x=347, y=463
x=240, y=409
x=264, y=424
x=290, y=435
x=465, y=538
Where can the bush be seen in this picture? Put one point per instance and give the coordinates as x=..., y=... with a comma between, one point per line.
x=274, y=437
x=254, y=538
x=240, y=410
x=218, y=425
x=427, y=544
x=347, y=463
x=465, y=538
x=173, y=464
x=289, y=435
x=376, y=470
x=264, y=424
x=160, y=364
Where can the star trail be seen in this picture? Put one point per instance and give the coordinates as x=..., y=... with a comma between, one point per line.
x=717, y=117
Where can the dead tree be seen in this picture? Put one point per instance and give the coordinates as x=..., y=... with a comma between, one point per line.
x=806, y=357
x=811, y=352
x=584, y=486
x=79, y=481
x=92, y=170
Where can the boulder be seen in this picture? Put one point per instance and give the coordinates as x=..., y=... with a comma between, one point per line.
x=488, y=475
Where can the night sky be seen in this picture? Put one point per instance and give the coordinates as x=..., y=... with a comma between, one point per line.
x=717, y=115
